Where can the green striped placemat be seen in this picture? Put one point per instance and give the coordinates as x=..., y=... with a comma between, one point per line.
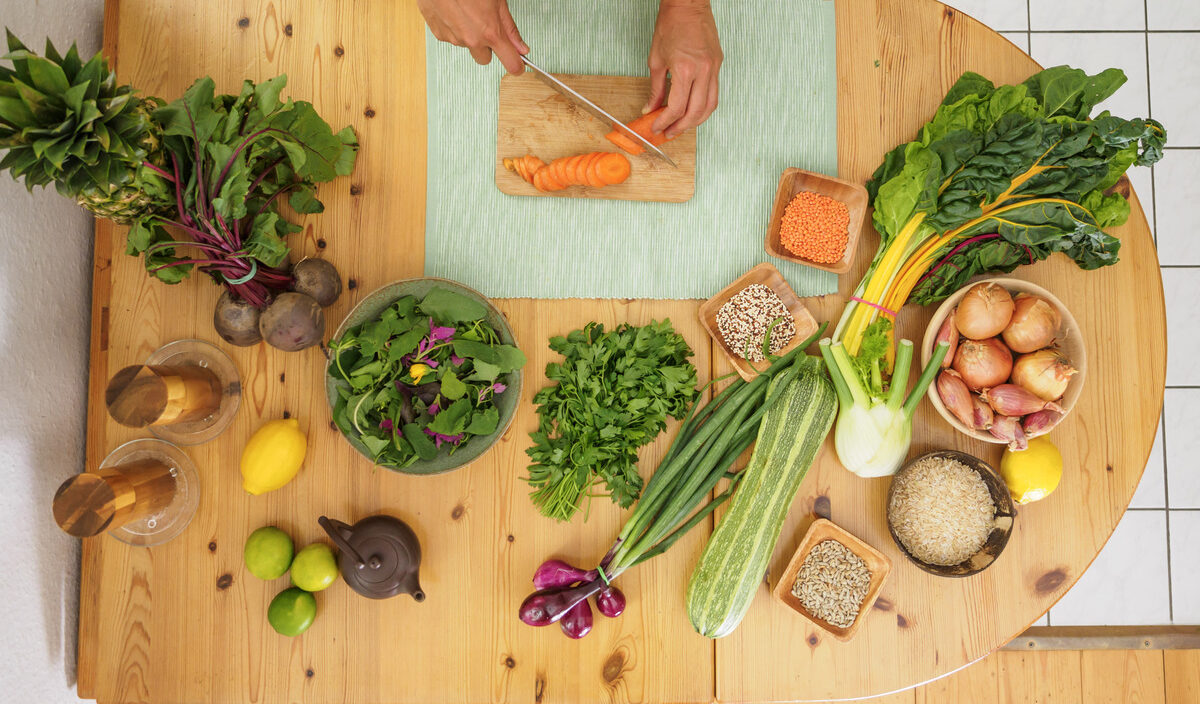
x=777, y=109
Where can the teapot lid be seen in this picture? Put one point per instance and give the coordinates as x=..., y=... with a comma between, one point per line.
x=379, y=557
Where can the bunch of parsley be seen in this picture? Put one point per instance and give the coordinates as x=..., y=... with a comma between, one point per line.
x=612, y=394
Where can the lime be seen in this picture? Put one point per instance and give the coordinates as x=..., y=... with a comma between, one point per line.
x=292, y=611
x=268, y=553
x=1033, y=473
x=314, y=567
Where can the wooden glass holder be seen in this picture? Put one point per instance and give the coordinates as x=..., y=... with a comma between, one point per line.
x=187, y=392
x=144, y=493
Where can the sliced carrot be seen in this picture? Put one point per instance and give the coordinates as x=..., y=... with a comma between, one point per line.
x=643, y=126
x=619, y=139
x=560, y=171
x=539, y=180
x=551, y=179
x=590, y=174
x=575, y=169
x=613, y=168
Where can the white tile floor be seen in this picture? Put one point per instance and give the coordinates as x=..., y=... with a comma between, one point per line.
x=1149, y=573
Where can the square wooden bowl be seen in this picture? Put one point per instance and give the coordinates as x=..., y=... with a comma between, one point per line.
x=877, y=563
x=767, y=275
x=793, y=181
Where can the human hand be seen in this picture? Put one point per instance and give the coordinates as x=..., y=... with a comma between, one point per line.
x=686, y=45
x=482, y=26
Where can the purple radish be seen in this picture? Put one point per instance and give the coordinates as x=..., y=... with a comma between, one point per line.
x=610, y=602
x=578, y=621
x=546, y=606
x=556, y=573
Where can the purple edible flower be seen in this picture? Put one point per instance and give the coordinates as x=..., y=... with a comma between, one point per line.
x=456, y=360
x=439, y=439
x=439, y=333
x=386, y=424
x=435, y=409
x=496, y=387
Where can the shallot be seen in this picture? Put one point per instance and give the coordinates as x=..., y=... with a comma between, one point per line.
x=983, y=363
x=1008, y=429
x=544, y=607
x=1040, y=423
x=982, y=416
x=948, y=333
x=984, y=311
x=1045, y=372
x=1012, y=400
x=1034, y=324
x=956, y=397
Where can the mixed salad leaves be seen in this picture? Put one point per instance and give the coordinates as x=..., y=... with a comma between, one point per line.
x=422, y=379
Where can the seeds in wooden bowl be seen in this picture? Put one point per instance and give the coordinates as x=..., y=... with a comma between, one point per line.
x=745, y=318
x=941, y=510
x=832, y=583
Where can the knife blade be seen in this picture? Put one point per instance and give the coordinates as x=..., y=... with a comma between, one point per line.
x=595, y=110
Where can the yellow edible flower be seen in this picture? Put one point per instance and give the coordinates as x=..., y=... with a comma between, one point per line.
x=417, y=371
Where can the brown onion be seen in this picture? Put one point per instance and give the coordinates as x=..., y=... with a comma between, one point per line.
x=948, y=333
x=1012, y=400
x=983, y=363
x=1034, y=324
x=955, y=397
x=984, y=311
x=1046, y=373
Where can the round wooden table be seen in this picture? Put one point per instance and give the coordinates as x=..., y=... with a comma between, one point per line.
x=185, y=621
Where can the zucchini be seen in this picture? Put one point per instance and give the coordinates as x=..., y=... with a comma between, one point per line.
x=733, y=563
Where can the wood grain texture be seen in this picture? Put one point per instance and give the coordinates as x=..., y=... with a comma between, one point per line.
x=1123, y=677
x=1181, y=673
x=184, y=622
x=534, y=119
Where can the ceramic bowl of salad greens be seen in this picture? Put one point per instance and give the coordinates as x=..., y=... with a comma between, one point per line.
x=424, y=376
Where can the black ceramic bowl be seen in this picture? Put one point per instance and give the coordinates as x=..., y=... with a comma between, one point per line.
x=1002, y=524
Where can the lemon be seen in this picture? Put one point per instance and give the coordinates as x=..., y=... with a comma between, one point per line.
x=1033, y=473
x=273, y=456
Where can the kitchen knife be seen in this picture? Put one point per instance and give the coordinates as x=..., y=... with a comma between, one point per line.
x=595, y=110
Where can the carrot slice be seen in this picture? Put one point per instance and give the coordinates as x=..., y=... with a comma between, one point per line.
x=643, y=126
x=539, y=181
x=613, y=168
x=575, y=169
x=619, y=139
x=550, y=179
x=590, y=174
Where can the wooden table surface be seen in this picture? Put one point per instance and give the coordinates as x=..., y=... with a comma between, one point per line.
x=166, y=624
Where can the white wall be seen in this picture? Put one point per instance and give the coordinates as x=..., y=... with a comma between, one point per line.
x=45, y=289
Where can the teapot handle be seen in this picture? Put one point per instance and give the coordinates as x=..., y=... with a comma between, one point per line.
x=335, y=530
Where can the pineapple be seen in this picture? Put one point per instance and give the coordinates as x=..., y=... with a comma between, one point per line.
x=67, y=122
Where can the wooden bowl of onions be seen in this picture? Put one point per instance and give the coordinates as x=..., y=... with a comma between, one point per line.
x=1016, y=364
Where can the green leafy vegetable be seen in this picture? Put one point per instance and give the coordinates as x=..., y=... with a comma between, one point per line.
x=611, y=394
x=410, y=388
x=229, y=162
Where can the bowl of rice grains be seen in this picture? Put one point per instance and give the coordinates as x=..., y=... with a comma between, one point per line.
x=816, y=220
x=756, y=318
x=950, y=513
x=833, y=579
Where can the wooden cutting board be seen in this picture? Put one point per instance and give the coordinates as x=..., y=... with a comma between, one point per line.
x=534, y=119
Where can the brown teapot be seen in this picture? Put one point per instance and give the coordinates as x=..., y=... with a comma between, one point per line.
x=379, y=556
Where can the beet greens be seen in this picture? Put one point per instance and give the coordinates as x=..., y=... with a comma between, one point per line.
x=231, y=161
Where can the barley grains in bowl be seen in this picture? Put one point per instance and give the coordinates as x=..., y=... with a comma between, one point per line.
x=832, y=583
x=941, y=510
